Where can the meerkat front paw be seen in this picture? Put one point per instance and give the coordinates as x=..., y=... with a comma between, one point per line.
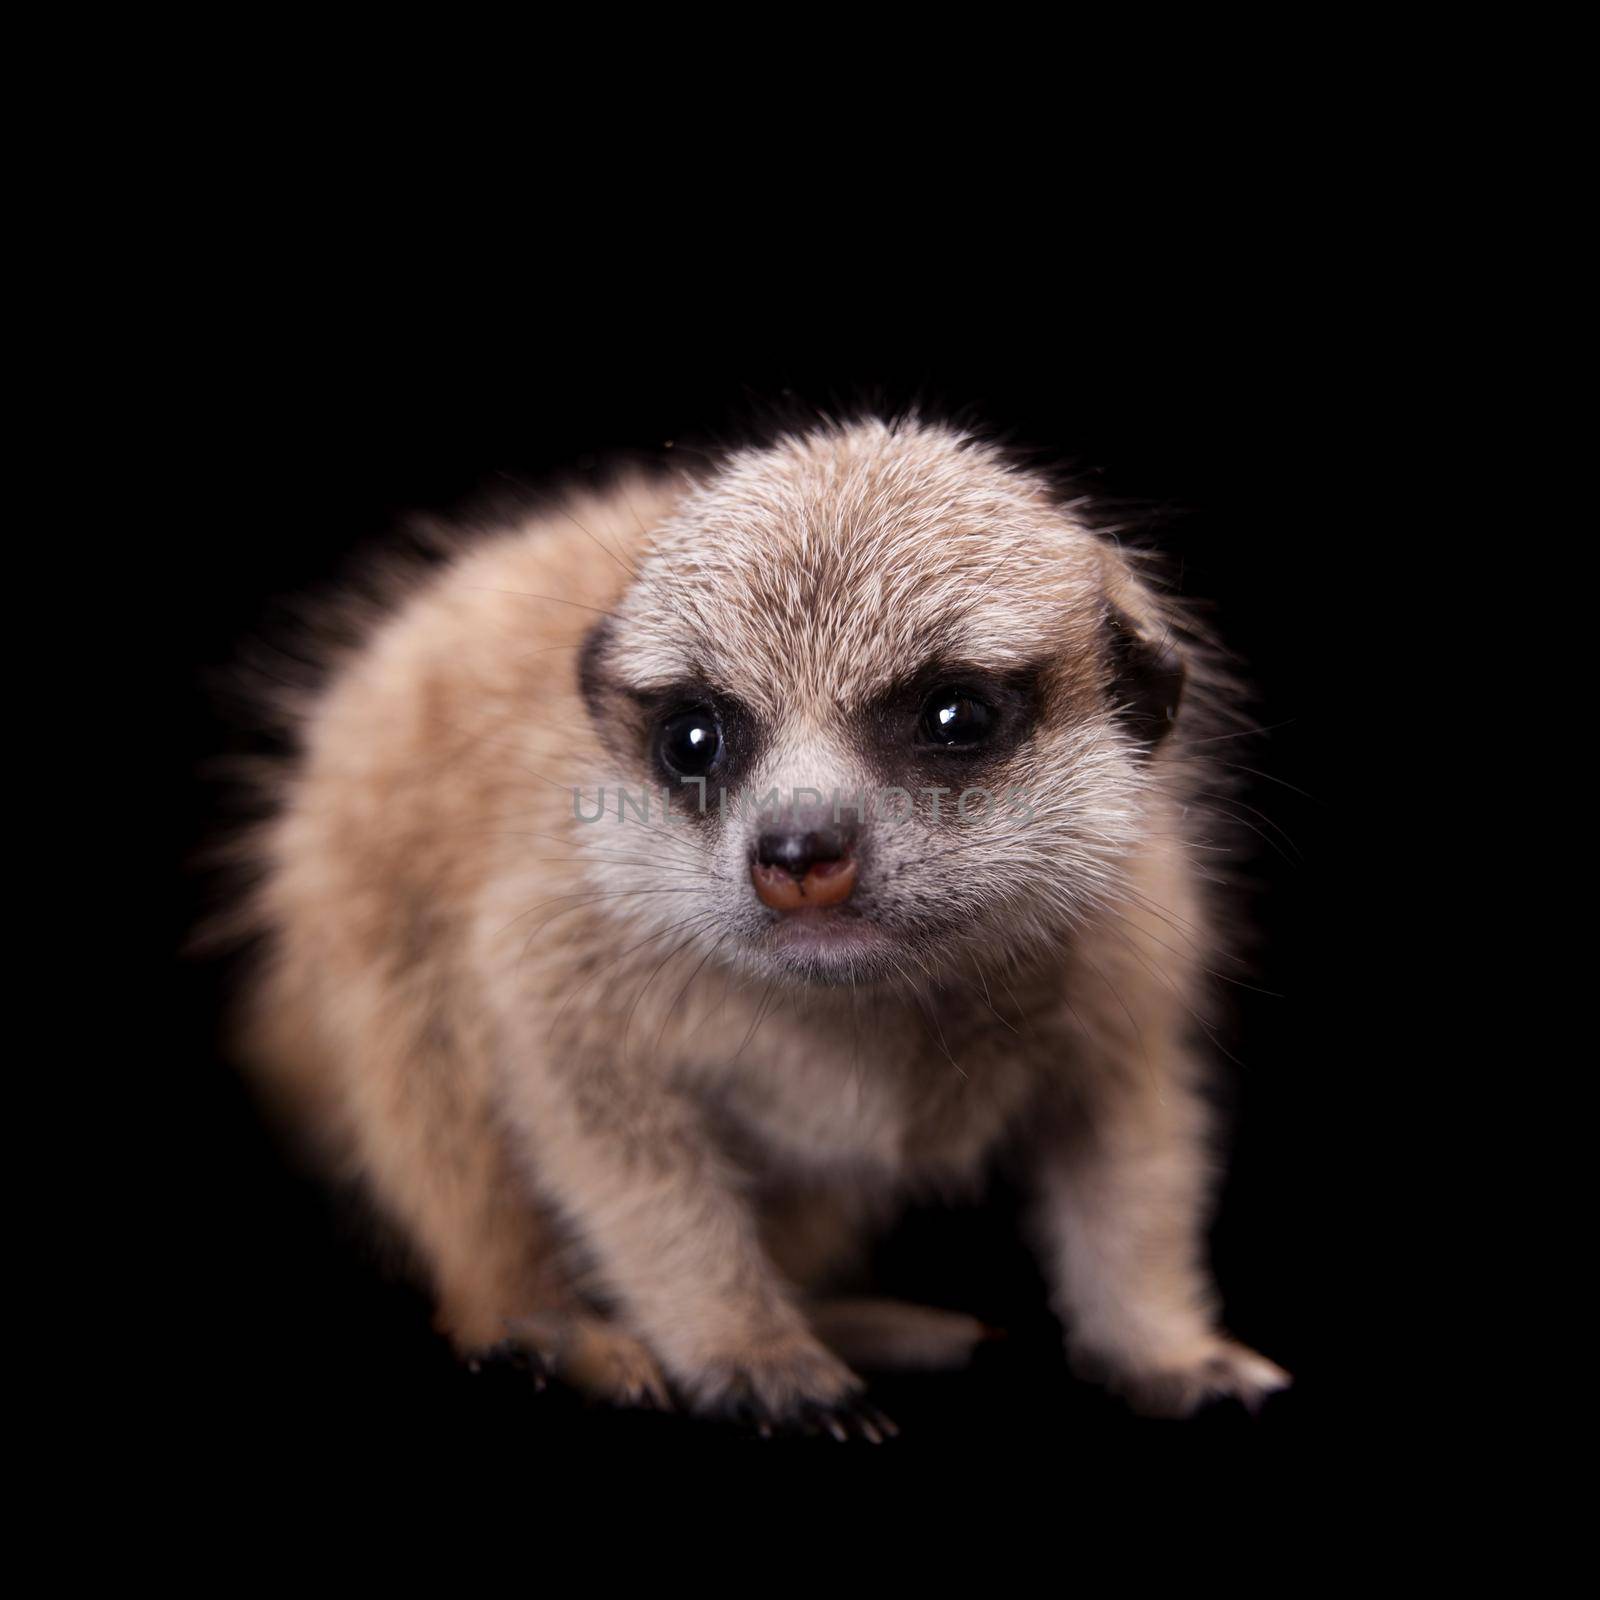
x=787, y=1380
x=593, y=1355
x=611, y=1365
x=1220, y=1369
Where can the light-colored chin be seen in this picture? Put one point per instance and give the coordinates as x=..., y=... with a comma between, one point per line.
x=825, y=949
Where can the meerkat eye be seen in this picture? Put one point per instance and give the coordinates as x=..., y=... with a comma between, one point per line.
x=954, y=717
x=689, y=742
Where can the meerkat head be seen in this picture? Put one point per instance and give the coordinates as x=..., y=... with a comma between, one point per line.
x=902, y=706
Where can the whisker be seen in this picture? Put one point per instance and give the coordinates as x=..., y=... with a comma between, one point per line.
x=687, y=982
x=623, y=955
x=554, y=599
x=704, y=920
x=633, y=572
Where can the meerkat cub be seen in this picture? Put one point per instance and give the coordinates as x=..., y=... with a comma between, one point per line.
x=668, y=887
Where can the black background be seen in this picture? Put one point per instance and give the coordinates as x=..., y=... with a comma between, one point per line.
x=1227, y=410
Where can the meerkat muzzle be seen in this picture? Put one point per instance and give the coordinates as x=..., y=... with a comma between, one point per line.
x=804, y=862
x=828, y=883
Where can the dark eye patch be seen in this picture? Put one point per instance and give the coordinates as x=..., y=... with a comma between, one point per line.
x=677, y=721
x=978, y=722
x=633, y=725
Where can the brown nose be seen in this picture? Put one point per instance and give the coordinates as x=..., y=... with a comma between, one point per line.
x=795, y=868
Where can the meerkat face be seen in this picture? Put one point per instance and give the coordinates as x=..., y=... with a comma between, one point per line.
x=891, y=705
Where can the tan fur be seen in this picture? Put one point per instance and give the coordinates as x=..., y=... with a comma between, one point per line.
x=612, y=1116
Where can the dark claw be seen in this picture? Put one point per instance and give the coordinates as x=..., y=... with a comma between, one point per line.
x=885, y=1425
x=844, y=1421
x=518, y=1357
x=850, y=1419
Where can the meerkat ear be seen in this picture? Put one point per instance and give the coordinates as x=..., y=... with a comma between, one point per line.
x=1147, y=677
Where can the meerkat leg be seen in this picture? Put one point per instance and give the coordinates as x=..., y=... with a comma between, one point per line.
x=488, y=1252
x=675, y=1240
x=441, y=1165
x=1124, y=1188
x=499, y=1282
x=595, y=1355
x=609, y=1363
